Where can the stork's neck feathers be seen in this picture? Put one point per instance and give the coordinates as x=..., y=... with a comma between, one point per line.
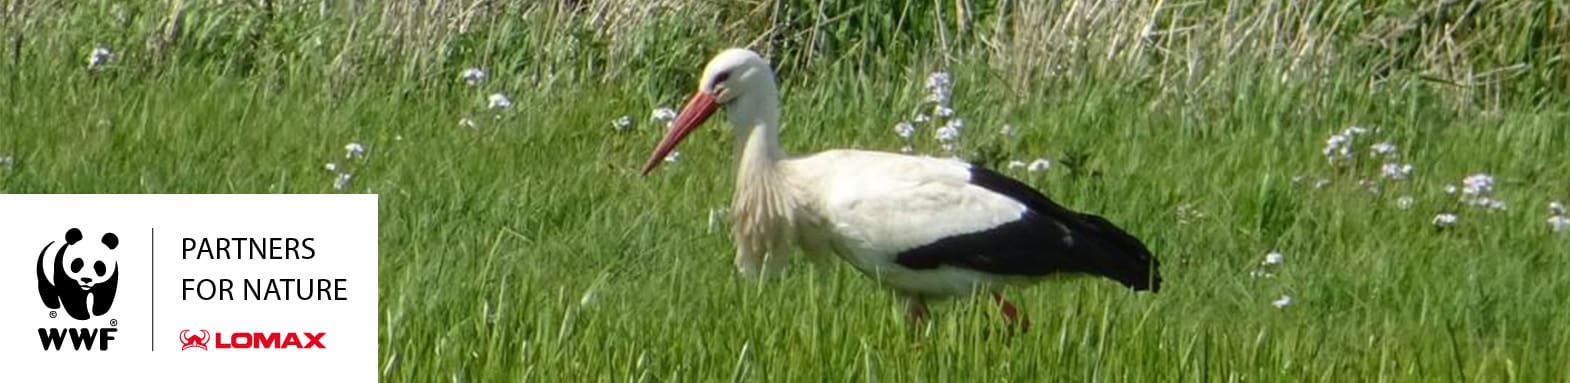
x=755, y=117
x=763, y=205
x=756, y=120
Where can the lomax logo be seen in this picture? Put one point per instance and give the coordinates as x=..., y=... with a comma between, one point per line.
x=252, y=340
x=189, y=341
x=80, y=278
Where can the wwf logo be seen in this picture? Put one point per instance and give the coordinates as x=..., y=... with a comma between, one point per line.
x=79, y=273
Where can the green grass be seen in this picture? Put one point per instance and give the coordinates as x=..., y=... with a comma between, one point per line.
x=530, y=249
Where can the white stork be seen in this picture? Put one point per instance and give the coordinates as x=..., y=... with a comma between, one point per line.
x=925, y=227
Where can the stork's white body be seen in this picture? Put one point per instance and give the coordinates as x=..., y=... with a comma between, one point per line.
x=926, y=227
x=868, y=207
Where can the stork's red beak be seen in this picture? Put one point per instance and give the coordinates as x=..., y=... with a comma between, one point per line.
x=697, y=110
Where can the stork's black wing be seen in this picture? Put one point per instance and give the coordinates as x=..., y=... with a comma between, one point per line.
x=1046, y=239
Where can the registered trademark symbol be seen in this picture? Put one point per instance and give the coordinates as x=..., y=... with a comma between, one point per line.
x=114, y=322
x=52, y=314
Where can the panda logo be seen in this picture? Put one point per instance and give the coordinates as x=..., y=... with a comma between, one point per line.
x=82, y=275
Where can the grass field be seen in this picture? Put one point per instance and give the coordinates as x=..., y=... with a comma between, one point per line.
x=527, y=247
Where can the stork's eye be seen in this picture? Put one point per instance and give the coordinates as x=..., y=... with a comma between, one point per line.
x=719, y=78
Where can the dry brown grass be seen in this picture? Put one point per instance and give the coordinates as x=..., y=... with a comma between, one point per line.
x=1480, y=54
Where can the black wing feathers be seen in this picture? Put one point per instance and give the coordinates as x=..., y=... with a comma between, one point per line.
x=1047, y=239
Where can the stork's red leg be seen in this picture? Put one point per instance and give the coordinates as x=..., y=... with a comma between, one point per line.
x=1010, y=313
x=918, y=310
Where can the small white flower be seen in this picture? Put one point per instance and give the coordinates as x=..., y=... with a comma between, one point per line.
x=1396, y=171
x=1038, y=165
x=938, y=80
x=622, y=123
x=938, y=96
x=920, y=118
x=332, y=166
x=1321, y=183
x=1450, y=189
x=1282, y=302
x=949, y=147
x=717, y=216
x=1272, y=258
x=1383, y=149
x=1371, y=186
x=1556, y=208
x=943, y=111
x=938, y=87
x=1188, y=213
x=1016, y=164
x=663, y=114
x=1559, y=223
x=498, y=100
x=99, y=57
x=1477, y=185
x=904, y=129
x=907, y=149
x=1336, y=141
x=947, y=133
x=1477, y=190
x=957, y=123
x=1338, y=148
x=1007, y=130
x=1261, y=274
x=343, y=180
x=1490, y=203
x=353, y=149
x=1444, y=220
x=473, y=76
x=1404, y=202
x=468, y=123
x=673, y=157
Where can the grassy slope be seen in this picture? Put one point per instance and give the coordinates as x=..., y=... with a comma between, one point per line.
x=529, y=248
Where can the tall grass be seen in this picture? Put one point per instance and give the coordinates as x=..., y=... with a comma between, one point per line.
x=527, y=248
x=1479, y=55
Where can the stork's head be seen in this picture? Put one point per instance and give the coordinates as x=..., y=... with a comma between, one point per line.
x=737, y=79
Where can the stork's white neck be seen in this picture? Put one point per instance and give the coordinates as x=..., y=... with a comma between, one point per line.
x=755, y=118
x=763, y=207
